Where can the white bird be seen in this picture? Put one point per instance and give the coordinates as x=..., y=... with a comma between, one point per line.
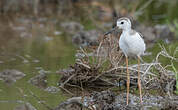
x=132, y=44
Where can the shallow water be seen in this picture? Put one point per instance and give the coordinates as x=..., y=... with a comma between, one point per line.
x=30, y=48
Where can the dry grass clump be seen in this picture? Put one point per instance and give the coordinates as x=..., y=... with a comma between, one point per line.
x=90, y=67
x=103, y=68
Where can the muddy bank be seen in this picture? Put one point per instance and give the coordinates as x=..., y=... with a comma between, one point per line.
x=158, y=90
x=107, y=100
x=10, y=76
x=101, y=69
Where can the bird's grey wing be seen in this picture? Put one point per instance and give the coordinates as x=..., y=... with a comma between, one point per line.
x=140, y=35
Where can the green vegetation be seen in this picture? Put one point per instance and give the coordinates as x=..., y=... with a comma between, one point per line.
x=158, y=11
x=174, y=28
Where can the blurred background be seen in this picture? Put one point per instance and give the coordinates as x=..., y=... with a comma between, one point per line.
x=39, y=37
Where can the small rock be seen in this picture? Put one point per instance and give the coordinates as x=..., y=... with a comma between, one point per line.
x=150, y=34
x=47, y=38
x=57, y=33
x=19, y=28
x=86, y=38
x=36, y=61
x=39, y=80
x=41, y=25
x=42, y=19
x=38, y=68
x=43, y=71
x=10, y=76
x=25, y=34
x=147, y=32
x=163, y=32
x=25, y=61
x=104, y=96
x=52, y=89
x=28, y=56
x=72, y=27
x=1, y=62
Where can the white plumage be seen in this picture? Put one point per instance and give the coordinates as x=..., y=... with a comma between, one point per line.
x=132, y=44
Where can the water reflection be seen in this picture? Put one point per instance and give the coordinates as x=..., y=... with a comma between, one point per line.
x=32, y=47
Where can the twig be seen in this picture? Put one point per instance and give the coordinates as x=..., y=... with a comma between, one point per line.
x=165, y=54
x=98, y=76
x=62, y=85
x=84, y=52
x=73, y=100
x=74, y=86
x=99, y=48
x=108, y=82
x=145, y=64
x=126, y=68
x=98, y=51
x=149, y=68
x=101, y=63
x=120, y=75
x=66, y=90
x=80, y=63
x=47, y=106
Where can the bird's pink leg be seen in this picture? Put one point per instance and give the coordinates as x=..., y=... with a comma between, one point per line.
x=128, y=80
x=139, y=81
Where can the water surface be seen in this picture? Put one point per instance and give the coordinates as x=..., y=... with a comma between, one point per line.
x=32, y=47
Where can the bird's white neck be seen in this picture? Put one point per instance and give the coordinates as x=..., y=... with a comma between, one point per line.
x=126, y=30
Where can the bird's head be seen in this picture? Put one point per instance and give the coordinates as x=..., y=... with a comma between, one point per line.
x=124, y=23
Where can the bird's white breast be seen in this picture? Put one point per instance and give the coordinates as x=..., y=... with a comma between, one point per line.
x=132, y=44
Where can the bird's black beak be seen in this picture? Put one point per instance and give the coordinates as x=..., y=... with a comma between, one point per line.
x=113, y=29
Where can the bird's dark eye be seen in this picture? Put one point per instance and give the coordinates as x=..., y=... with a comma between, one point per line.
x=122, y=22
